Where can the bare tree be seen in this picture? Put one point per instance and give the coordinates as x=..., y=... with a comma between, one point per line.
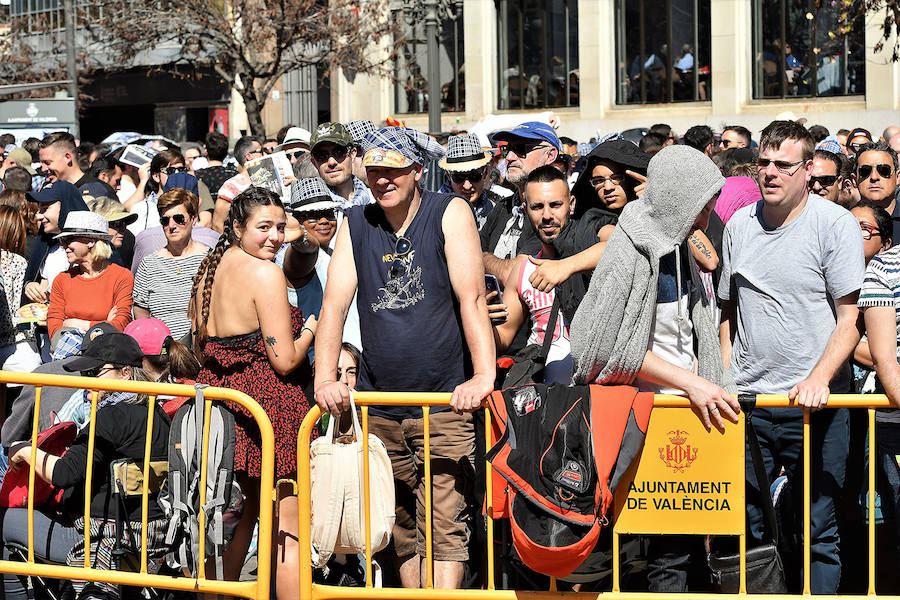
x=249, y=44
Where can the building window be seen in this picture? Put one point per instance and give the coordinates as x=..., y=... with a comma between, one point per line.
x=662, y=51
x=411, y=66
x=538, y=53
x=816, y=59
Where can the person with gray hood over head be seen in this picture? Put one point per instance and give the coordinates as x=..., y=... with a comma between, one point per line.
x=645, y=311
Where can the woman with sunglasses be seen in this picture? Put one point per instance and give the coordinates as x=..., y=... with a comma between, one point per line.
x=153, y=177
x=162, y=284
x=93, y=289
x=120, y=433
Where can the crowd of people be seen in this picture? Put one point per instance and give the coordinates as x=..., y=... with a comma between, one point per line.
x=703, y=265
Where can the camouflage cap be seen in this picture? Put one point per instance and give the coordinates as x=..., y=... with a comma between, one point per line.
x=335, y=133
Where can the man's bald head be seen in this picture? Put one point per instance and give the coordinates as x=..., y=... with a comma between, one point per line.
x=890, y=132
x=895, y=142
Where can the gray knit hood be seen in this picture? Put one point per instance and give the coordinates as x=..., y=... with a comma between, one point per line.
x=610, y=333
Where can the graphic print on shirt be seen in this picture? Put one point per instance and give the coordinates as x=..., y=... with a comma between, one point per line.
x=403, y=288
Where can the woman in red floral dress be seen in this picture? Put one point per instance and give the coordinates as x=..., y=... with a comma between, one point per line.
x=253, y=341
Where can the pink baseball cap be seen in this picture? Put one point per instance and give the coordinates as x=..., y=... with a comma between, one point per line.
x=150, y=334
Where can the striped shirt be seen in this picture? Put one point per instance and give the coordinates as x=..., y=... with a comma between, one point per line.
x=881, y=287
x=162, y=285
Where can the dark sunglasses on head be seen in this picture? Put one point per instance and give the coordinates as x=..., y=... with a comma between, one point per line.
x=179, y=219
x=824, y=181
x=173, y=170
x=318, y=215
x=470, y=176
x=401, y=249
x=338, y=152
x=884, y=169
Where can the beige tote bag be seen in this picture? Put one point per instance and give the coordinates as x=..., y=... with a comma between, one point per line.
x=336, y=481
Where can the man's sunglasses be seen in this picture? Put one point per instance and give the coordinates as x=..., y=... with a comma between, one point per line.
x=298, y=154
x=179, y=219
x=314, y=216
x=338, y=152
x=824, y=181
x=783, y=166
x=520, y=148
x=470, y=176
x=173, y=170
x=401, y=249
x=884, y=169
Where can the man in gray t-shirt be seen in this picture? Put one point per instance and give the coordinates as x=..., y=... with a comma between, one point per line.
x=792, y=269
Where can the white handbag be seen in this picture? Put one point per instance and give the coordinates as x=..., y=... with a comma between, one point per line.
x=336, y=489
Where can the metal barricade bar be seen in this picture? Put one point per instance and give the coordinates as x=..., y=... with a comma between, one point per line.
x=254, y=590
x=311, y=591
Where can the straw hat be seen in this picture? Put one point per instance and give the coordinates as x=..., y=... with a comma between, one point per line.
x=84, y=223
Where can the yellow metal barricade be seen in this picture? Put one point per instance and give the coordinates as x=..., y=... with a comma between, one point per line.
x=258, y=589
x=705, y=468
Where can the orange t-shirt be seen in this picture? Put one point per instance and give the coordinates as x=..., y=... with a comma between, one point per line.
x=75, y=297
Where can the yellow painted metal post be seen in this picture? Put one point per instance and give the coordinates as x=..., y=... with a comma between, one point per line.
x=806, y=528
x=303, y=502
x=742, y=576
x=366, y=491
x=145, y=488
x=204, y=457
x=87, y=481
x=489, y=502
x=616, y=566
x=873, y=460
x=31, y=474
x=429, y=562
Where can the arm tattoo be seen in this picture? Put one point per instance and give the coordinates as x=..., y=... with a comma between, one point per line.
x=270, y=340
x=701, y=247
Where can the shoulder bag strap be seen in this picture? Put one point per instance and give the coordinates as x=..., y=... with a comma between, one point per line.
x=551, y=326
x=748, y=402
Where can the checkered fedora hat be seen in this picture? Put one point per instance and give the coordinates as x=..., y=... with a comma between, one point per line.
x=310, y=194
x=359, y=129
x=464, y=153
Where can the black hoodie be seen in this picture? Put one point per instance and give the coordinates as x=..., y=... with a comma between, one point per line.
x=621, y=152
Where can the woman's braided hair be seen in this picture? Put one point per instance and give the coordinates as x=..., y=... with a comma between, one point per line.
x=241, y=209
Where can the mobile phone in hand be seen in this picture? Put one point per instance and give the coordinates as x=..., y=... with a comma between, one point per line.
x=492, y=285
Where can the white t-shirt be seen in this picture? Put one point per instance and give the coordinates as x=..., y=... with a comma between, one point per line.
x=55, y=263
x=558, y=368
x=672, y=333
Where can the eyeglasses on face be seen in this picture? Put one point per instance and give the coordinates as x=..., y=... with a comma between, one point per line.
x=824, y=181
x=883, y=169
x=401, y=249
x=470, y=176
x=521, y=149
x=338, y=152
x=783, y=166
x=117, y=225
x=98, y=371
x=599, y=182
x=868, y=231
x=179, y=218
x=314, y=216
x=298, y=154
x=173, y=170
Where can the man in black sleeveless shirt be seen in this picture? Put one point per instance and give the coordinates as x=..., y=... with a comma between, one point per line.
x=414, y=261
